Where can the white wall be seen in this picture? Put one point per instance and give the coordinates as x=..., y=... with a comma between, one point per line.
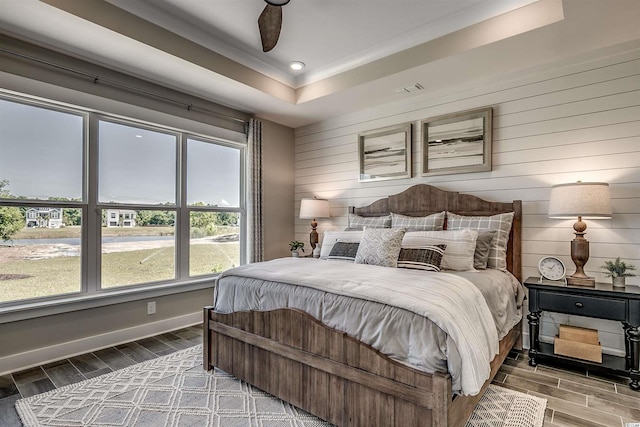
x=578, y=119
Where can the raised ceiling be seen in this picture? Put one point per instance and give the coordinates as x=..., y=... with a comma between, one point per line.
x=358, y=53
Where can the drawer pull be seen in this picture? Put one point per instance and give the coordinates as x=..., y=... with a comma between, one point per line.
x=579, y=305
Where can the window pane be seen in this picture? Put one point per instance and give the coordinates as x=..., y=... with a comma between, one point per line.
x=215, y=243
x=213, y=174
x=137, y=246
x=41, y=152
x=137, y=165
x=39, y=252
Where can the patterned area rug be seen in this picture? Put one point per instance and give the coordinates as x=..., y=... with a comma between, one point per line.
x=175, y=391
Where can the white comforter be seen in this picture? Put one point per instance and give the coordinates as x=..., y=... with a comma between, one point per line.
x=451, y=302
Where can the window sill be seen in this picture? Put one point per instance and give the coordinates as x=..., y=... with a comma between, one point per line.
x=74, y=303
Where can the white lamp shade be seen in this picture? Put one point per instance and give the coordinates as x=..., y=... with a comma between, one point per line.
x=314, y=208
x=585, y=199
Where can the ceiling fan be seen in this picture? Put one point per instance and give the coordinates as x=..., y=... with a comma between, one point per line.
x=270, y=23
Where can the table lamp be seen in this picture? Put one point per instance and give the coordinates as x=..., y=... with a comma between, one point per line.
x=313, y=209
x=587, y=200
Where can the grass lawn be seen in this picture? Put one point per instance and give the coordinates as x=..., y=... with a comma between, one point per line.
x=60, y=275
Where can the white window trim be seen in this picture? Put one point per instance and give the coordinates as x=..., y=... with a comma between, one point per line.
x=90, y=295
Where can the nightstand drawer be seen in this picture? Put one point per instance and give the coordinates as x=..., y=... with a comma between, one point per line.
x=603, y=308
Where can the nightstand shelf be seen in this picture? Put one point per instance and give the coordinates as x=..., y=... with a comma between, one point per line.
x=601, y=302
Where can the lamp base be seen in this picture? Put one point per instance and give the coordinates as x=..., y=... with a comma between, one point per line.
x=581, y=281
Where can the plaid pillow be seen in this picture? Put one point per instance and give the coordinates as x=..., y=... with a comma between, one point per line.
x=427, y=258
x=357, y=222
x=500, y=222
x=434, y=222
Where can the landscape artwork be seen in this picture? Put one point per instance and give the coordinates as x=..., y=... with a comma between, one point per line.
x=385, y=153
x=457, y=143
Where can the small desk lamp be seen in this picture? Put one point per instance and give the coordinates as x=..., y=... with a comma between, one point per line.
x=580, y=199
x=312, y=209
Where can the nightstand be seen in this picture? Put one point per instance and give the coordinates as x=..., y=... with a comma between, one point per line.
x=602, y=302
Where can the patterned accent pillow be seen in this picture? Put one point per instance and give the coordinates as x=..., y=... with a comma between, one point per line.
x=380, y=246
x=344, y=251
x=434, y=222
x=427, y=258
x=483, y=244
x=501, y=222
x=461, y=246
x=357, y=222
x=329, y=238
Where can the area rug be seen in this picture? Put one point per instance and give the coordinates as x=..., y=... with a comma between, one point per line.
x=175, y=391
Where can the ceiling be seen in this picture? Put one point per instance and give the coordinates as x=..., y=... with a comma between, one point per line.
x=358, y=53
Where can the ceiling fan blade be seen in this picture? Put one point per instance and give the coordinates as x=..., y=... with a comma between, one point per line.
x=269, y=24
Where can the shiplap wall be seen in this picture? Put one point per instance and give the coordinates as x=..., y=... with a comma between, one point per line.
x=578, y=119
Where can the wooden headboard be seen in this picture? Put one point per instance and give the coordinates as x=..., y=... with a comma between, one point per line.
x=423, y=200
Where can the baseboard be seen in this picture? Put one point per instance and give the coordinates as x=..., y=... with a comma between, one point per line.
x=40, y=356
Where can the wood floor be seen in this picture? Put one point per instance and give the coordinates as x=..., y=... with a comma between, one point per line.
x=574, y=398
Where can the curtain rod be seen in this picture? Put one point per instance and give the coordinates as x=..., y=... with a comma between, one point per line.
x=98, y=79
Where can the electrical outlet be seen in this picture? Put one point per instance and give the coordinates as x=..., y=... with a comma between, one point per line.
x=151, y=307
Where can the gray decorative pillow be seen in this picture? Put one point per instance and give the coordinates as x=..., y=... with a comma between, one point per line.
x=380, y=246
x=434, y=222
x=500, y=222
x=357, y=222
x=427, y=258
x=483, y=244
x=344, y=251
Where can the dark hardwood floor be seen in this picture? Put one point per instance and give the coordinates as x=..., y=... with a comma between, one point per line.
x=574, y=398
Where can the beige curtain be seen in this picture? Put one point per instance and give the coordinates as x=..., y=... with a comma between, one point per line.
x=255, y=229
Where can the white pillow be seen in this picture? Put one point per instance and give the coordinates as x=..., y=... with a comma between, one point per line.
x=461, y=246
x=331, y=237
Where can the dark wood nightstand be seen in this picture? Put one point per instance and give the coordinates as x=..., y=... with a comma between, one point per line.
x=602, y=302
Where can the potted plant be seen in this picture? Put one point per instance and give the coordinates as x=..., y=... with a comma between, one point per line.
x=295, y=246
x=617, y=270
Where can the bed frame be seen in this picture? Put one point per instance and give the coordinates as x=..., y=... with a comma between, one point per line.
x=291, y=355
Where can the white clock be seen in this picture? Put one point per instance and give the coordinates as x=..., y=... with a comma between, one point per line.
x=552, y=268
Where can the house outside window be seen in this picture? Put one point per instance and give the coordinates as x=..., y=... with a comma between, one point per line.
x=120, y=213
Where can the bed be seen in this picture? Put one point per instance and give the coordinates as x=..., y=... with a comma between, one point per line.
x=289, y=353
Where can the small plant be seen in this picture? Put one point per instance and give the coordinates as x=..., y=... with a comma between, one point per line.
x=295, y=245
x=617, y=268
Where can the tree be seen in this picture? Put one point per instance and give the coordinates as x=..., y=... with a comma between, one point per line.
x=11, y=219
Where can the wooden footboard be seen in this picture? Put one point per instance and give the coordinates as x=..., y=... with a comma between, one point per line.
x=291, y=355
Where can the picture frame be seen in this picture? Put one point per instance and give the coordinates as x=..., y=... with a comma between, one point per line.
x=457, y=143
x=385, y=153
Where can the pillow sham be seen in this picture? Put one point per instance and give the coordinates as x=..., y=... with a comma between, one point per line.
x=329, y=238
x=380, y=246
x=427, y=258
x=432, y=222
x=345, y=251
x=500, y=222
x=461, y=246
x=357, y=222
x=483, y=244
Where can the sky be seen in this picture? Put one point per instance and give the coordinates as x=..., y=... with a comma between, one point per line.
x=41, y=156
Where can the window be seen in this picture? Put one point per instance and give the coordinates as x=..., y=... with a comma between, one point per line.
x=92, y=204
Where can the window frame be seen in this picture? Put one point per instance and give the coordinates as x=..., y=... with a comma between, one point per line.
x=91, y=293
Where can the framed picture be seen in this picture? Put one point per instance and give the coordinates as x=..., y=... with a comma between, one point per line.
x=457, y=143
x=385, y=153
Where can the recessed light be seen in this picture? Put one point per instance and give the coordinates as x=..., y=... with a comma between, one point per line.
x=296, y=65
